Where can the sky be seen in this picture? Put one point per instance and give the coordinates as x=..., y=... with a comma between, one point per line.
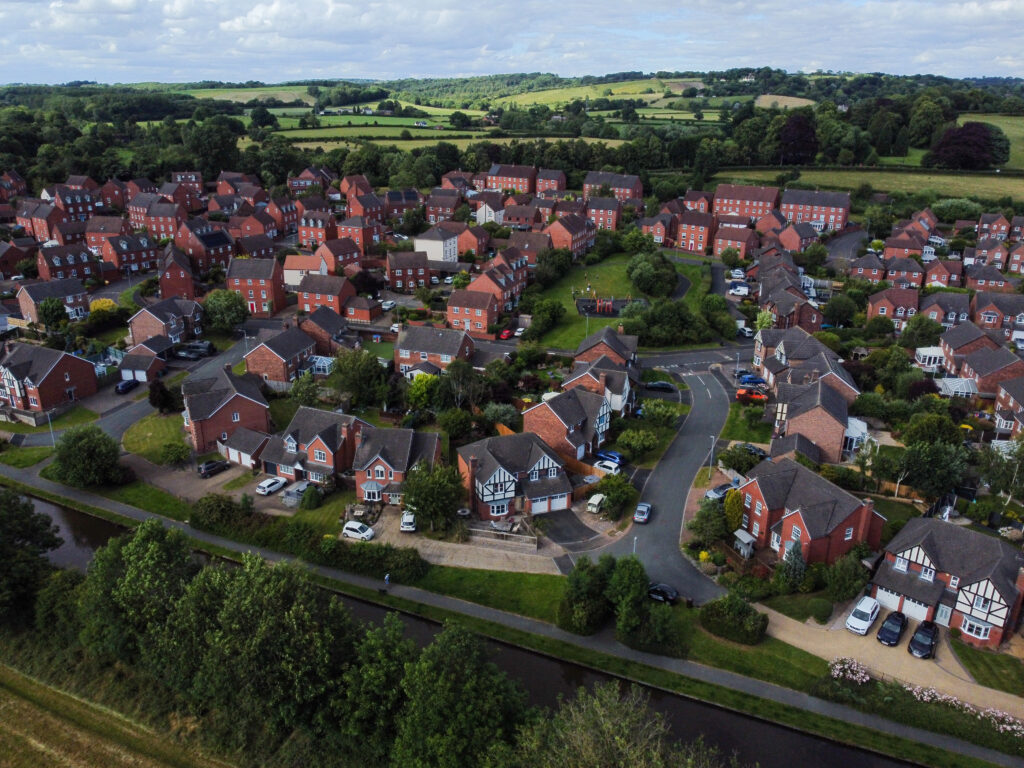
x=53, y=41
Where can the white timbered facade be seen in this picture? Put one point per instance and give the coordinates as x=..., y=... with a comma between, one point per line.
x=955, y=577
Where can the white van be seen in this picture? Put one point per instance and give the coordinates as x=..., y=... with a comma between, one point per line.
x=596, y=503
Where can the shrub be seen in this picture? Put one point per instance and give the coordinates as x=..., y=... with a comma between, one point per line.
x=845, y=578
x=735, y=619
x=637, y=441
x=821, y=609
x=844, y=477
x=310, y=498
x=174, y=453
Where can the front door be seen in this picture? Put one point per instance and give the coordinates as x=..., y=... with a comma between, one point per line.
x=252, y=307
x=942, y=614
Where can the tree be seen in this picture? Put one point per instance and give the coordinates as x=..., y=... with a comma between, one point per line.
x=652, y=273
x=709, y=524
x=921, y=459
x=434, y=493
x=361, y=376
x=790, y=572
x=502, y=413
x=87, y=456
x=637, y=441
x=422, y=392
x=174, y=453
x=839, y=310
x=52, y=313
x=27, y=268
x=730, y=258
x=627, y=592
x=733, y=510
x=25, y=538
x=102, y=305
x=879, y=327
x=618, y=494
x=56, y=608
x=224, y=310
x=305, y=390
x=971, y=146
x=925, y=119
x=764, y=320
x=845, y=578
x=739, y=459
x=920, y=331
x=584, y=607
x=461, y=280
x=932, y=428
x=459, y=119
x=457, y=704
x=161, y=398
x=456, y=422
x=659, y=413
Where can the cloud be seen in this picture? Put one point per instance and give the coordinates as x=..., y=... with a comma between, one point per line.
x=271, y=40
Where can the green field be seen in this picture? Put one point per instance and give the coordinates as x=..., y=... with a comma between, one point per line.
x=282, y=92
x=990, y=186
x=373, y=132
x=768, y=100
x=627, y=88
x=147, y=437
x=1013, y=127
x=461, y=144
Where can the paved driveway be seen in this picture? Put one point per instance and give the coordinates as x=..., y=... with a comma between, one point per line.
x=566, y=529
x=846, y=246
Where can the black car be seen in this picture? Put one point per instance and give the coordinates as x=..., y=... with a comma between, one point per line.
x=210, y=468
x=922, y=642
x=202, y=347
x=126, y=385
x=188, y=354
x=740, y=372
x=663, y=593
x=754, y=450
x=661, y=386
x=892, y=629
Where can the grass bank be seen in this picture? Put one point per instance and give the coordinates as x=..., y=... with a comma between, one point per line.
x=738, y=428
x=75, y=417
x=147, y=437
x=991, y=669
x=26, y=456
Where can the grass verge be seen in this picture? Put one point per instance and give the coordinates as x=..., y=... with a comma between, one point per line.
x=990, y=668
x=529, y=594
x=148, y=436
x=738, y=428
x=26, y=456
x=136, y=494
x=796, y=606
x=75, y=417
x=700, y=283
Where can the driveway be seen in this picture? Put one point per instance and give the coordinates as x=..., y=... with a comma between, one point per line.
x=845, y=246
x=657, y=543
x=566, y=529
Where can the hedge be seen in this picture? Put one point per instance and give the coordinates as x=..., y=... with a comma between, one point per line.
x=735, y=619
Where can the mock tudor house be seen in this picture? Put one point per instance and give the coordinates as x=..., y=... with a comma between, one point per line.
x=422, y=349
x=617, y=383
x=217, y=405
x=39, y=378
x=384, y=457
x=316, y=445
x=513, y=474
x=958, y=578
x=786, y=505
x=573, y=422
x=619, y=348
x=279, y=360
x=69, y=290
x=177, y=319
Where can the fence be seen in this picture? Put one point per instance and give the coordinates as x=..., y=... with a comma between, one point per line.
x=523, y=541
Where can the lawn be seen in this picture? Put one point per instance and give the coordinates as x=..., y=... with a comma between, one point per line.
x=737, y=428
x=111, y=336
x=126, y=298
x=26, y=456
x=238, y=483
x=796, y=606
x=989, y=668
x=75, y=417
x=220, y=340
x=147, y=436
x=1013, y=127
x=896, y=515
x=281, y=411
x=987, y=186
x=700, y=284
x=326, y=516
x=238, y=368
x=136, y=494
x=529, y=594
x=383, y=349
x=606, y=280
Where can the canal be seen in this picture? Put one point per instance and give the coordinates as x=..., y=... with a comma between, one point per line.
x=546, y=678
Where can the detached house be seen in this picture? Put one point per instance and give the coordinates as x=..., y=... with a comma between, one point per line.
x=513, y=474
x=983, y=277
x=819, y=413
x=798, y=237
x=473, y=312
x=953, y=576
x=622, y=186
x=993, y=225
x=442, y=204
x=744, y=241
x=328, y=329
x=988, y=367
x=786, y=505
x=218, y=405
x=176, y=276
x=616, y=347
x=944, y=273
x=948, y=309
x=1003, y=311
x=279, y=360
x=316, y=446
x=904, y=271
x=177, y=319
x=549, y=180
x=39, y=378
x=960, y=341
x=69, y=290
x=573, y=422
x=407, y=270
x=695, y=231
x=421, y=349
x=615, y=382
x=384, y=457
x=573, y=233
x=332, y=291
x=260, y=283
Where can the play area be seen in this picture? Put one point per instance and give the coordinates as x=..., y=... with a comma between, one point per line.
x=598, y=307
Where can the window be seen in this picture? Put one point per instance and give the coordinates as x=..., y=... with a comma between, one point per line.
x=423, y=355
x=927, y=574
x=848, y=535
x=379, y=473
x=756, y=529
x=746, y=520
x=954, y=582
x=316, y=477
x=796, y=533
x=403, y=353
x=553, y=472
x=235, y=416
x=881, y=310
x=67, y=377
x=499, y=509
x=975, y=628
x=320, y=456
x=901, y=564
x=534, y=474
x=982, y=603
x=746, y=500
x=446, y=358
x=757, y=508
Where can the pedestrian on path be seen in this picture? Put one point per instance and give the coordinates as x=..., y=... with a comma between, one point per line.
x=387, y=579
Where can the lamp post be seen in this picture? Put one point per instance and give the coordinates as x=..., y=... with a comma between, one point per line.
x=711, y=456
x=49, y=423
x=634, y=545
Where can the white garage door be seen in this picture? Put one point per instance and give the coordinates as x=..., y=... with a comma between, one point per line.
x=140, y=375
x=888, y=599
x=127, y=374
x=233, y=456
x=914, y=609
x=559, y=502
x=538, y=505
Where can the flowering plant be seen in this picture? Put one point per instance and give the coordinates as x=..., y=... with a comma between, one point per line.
x=1002, y=722
x=849, y=670
x=704, y=556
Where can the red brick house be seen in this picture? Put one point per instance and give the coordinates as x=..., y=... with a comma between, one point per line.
x=422, y=349
x=696, y=231
x=960, y=341
x=798, y=237
x=190, y=179
x=904, y=271
x=1017, y=229
x=77, y=204
x=328, y=330
x=904, y=244
x=360, y=309
x=69, y=290
x=990, y=251
x=473, y=312
x=324, y=291
x=698, y=200
x=114, y=194
x=743, y=240
x=503, y=277
x=298, y=265
x=572, y=232
x=132, y=253
x=39, y=378
x=365, y=234
x=39, y=219
x=279, y=360
x=313, y=176
x=69, y=232
x=260, y=282
x=176, y=276
x=256, y=247
x=370, y=207
x=316, y=446
x=184, y=195
x=442, y=204
x=983, y=277
x=339, y=254
x=1010, y=407
x=1004, y=311
x=176, y=318
x=384, y=457
x=549, y=180
x=523, y=217
x=953, y=576
x=206, y=244
x=285, y=214
x=12, y=185
x=868, y=267
x=897, y=304
x=513, y=474
x=617, y=347
x=605, y=212
x=398, y=201
x=139, y=186
x=217, y=405
x=475, y=239
x=10, y=255
x=819, y=413
x=662, y=228
x=945, y=273
x=772, y=223
x=993, y=225
x=948, y=309
x=574, y=422
x=825, y=211
x=521, y=178
x=621, y=186
x=355, y=185
x=1015, y=259
x=259, y=223
x=316, y=227
x=988, y=367
x=786, y=505
x=56, y=262
x=99, y=228
x=407, y=270
x=740, y=200
x=458, y=180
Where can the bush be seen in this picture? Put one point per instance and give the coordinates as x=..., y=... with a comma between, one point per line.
x=821, y=609
x=637, y=441
x=844, y=477
x=845, y=578
x=311, y=498
x=174, y=453
x=735, y=619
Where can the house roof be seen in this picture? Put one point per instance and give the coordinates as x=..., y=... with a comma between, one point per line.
x=310, y=423
x=339, y=246
x=326, y=318
x=254, y=243
x=987, y=361
x=961, y=335
x=814, y=197
x=423, y=338
x=786, y=484
x=68, y=286
x=530, y=241
x=603, y=204
x=132, y=362
x=903, y=264
x=797, y=443
x=964, y=553
x=611, y=180
x=1014, y=388
x=960, y=303
x=288, y=343
x=1011, y=304
x=818, y=395
x=898, y=297
x=27, y=362
x=743, y=192
x=170, y=309
x=514, y=453
x=402, y=449
x=867, y=261
x=332, y=285
x=155, y=344
x=576, y=407
x=986, y=272
x=307, y=261
x=246, y=440
x=206, y=395
x=256, y=269
x=472, y=299
x=909, y=584
x=622, y=344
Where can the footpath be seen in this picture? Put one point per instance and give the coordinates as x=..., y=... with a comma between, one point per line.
x=603, y=643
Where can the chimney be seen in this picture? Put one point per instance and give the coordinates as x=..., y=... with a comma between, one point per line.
x=865, y=521
x=602, y=380
x=621, y=329
x=471, y=479
x=359, y=438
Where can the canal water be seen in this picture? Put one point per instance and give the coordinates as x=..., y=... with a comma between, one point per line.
x=546, y=678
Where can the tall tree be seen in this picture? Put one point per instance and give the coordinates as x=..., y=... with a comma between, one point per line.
x=434, y=492
x=25, y=538
x=87, y=456
x=224, y=310
x=361, y=376
x=52, y=313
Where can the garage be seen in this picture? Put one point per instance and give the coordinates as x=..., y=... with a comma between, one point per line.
x=915, y=610
x=539, y=505
x=559, y=502
x=888, y=599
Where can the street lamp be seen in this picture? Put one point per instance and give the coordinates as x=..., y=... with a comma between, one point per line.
x=711, y=456
x=49, y=423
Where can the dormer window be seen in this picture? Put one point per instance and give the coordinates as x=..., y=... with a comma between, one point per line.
x=927, y=574
x=901, y=564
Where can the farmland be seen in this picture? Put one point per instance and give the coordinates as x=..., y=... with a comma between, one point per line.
x=649, y=89
x=768, y=100
x=1013, y=127
x=282, y=92
x=373, y=132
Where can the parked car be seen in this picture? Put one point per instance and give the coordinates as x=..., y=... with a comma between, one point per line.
x=739, y=290
x=738, y=274
x=388, y=305
x=608, y=467
x=463, y=512
x=739, y=373
x=408, y=522
x=747, y=333
x=863, y=616
x=434, y=280
x=892, y=629
x=718, y=492
x=663, y=593
x=505, y=334
x=396, y=328
x=125, y=385
x=613, y=456
x=188, y=354
x=642, y=513
x=519, y=332
x=449, y=280
x=922, y=642
x=754, y=450
x=751, y=380
x=211, y=468
x=202, y=347
x=751, y=396
x=353, y=529
x=661, y=386
x=270, y=485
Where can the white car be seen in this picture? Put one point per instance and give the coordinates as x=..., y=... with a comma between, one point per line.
x=396, y=327
x=271, y=485
x=434, y=280
x=388, y=305
x=449, y=280
x=863, y=616
x=608, y=467
x=519, y=332
x=739, y=290
x=408, y=522
x=738, y=274
x=353, y=529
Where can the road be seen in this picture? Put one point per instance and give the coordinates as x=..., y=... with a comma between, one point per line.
x=845, y=246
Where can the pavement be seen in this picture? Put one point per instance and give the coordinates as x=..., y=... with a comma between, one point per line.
x=603, y=642
x=845, y=246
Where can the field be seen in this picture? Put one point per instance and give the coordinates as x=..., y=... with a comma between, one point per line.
x=627, y=88
x=989, y=186
x=1013, y=127
x=372, y=131
x=462, y=144
x=767, y=100
x=282, y=92
x=45, y=726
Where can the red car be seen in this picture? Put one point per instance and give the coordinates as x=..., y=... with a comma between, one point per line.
x=751, y=396
x=506, y=334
